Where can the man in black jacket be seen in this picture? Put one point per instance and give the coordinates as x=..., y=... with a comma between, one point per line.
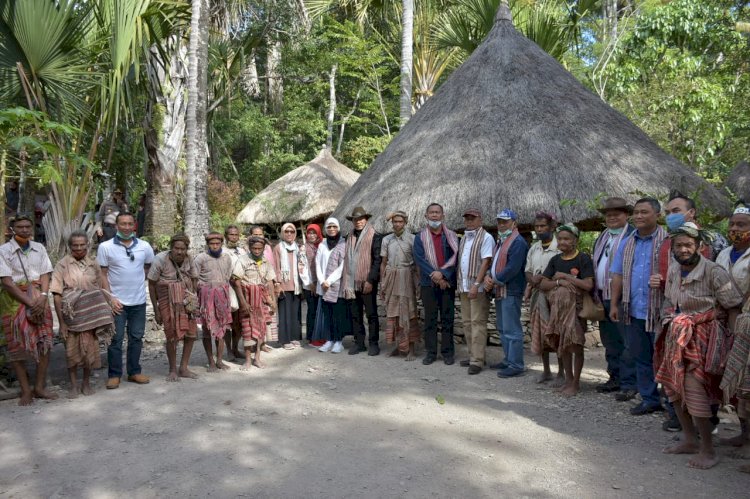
x=360, y=277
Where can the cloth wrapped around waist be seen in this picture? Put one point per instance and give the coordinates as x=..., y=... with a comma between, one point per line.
x=25, y=333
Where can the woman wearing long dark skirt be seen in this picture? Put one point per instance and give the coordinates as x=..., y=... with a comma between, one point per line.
x=292, y=275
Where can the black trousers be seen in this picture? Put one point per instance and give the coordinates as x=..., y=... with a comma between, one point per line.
x=438, y=301
x=312, y=311
x=369, y=303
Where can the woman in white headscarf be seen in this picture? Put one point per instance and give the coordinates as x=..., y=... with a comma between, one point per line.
x=292, y=275
x=329, y=265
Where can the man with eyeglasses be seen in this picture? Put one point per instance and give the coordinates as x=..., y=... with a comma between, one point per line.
x=125, y=260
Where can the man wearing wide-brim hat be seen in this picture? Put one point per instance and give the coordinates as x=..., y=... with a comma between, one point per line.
x=359, y=280
x=620, y=364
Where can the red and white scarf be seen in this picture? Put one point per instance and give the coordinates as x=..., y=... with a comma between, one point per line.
x=502, y=260
x=429, y=248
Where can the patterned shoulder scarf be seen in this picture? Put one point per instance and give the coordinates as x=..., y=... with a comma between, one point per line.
x=502, y=248
x=475, y=260
x=357, y=261
x=610, y=244
x=654, y=298
x=429, y=249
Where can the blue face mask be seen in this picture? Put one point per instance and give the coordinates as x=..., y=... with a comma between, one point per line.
x=675, y=221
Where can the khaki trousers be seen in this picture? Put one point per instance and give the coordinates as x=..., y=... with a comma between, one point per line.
x=474, y=314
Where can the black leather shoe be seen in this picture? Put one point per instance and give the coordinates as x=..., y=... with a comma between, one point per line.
x=626, y=395
x=612, y=385
x=373, y=350
x=449, y=360
x=474, y=370
x=429, y=359
x=642, y=409
x=464, y=363
x=355, y=349
x=499, y=365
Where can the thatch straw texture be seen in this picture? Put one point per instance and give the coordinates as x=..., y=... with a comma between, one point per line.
x=738, y=182
x=511, y=128
x=306, y=193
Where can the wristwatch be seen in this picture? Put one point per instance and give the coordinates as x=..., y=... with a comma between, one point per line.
x=45, y=294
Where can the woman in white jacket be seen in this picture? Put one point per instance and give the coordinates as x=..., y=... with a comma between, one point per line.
x=329, y=264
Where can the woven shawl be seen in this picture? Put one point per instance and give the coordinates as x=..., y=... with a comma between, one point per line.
x=654, y=298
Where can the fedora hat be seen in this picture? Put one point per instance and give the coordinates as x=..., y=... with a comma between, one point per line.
x=616, y=204
x=357, y=213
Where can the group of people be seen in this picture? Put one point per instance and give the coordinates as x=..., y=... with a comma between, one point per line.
x=669, y=302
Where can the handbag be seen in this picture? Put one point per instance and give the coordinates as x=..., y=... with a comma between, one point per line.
x=234, y=303
x=592, y=310
x=34, y=319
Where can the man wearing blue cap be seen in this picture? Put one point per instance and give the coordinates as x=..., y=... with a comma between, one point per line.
x=507, y=276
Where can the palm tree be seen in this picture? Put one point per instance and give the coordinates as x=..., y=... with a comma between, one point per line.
x=407, y=44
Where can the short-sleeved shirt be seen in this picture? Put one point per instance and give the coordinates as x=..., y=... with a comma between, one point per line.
x=127, y=280
x=739, y=270
x=84, y=274
x=485, y=251
x=248, y=271
x=581, y=266
x=165, y=269
x=235, y=252
x=398, y=249
x=212, y=270
x=35, y=261
x=538, y=256
x=706, y=286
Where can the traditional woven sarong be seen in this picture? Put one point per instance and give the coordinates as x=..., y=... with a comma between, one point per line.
x=177, y=322
x=216, y=311
x=691, y=346
x=539, y=316
x=400, y=307
x=254, y=325
x=736, y=380
x=565, y=328
x=24, y=338
x=88, y=315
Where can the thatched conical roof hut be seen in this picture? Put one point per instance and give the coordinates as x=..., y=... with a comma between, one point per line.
x=307, y=193
x=512, y=128
x=738, y=182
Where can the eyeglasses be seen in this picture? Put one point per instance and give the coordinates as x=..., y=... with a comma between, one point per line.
x=130, y=254
x=289, y=231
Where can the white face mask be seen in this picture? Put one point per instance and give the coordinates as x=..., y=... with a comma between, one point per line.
x=435, y=224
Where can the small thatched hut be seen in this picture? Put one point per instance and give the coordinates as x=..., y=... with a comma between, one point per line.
x=512, y=128
x=738, y=182
x=306, y=194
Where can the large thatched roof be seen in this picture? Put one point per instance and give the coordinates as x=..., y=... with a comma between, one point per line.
x=512, y=128
x=308, y=192
x=738, y=181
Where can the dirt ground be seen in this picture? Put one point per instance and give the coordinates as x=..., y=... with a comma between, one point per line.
x=324, y=425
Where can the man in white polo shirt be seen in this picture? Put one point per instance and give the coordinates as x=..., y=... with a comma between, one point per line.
x=125, y=261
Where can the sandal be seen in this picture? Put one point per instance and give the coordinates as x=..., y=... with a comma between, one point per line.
x=288, y=346
x=296, y=343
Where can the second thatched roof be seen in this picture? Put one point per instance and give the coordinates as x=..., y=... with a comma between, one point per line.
x=511, y=128
x=306, y=193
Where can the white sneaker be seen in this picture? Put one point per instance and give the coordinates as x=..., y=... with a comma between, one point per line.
x=326, y=347
x=337, y=347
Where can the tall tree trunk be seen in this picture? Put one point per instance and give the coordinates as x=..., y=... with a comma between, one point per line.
x=250, y=77
x=196, y=192
x=331, y=104
x=164, y=137
x=273, y=73
x=407, y=41
x=609, y=14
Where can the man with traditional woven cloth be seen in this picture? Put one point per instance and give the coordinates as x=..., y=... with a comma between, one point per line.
x=24, y=309
x=398, y=287
x=171, y=285
x=635, y=279
x=435, y=253
x=474, y=256
x=736, y=382
x=84, y=311
x=252, y=278
x=214, y=270
x=235, y=250
x=506, y=275
x=691, y=349
x=359, y=282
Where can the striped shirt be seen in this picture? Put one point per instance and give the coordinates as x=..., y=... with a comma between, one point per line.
x=36, y=261
x=707, y=286
x=127, y=279
x=247, y=271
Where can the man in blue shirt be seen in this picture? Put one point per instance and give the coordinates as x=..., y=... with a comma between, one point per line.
x=636, y=283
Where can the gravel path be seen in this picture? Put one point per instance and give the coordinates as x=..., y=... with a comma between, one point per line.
x=322, y=425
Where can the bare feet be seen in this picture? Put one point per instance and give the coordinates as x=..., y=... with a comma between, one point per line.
x=703, y=461
x=238, y=355
x=222, y=366
x=544, y=377
x=737, y=441
x=741, y=452
x=212, y=368
x=569, y=391
x=394, y=353
x=172, y=376
x=187, y=373
x=266, y=348
x=411, y=356
x=682, y=447
x=259, y=364
x=27, y=398
x=74, y=392
x=245, y=367
x=558, y=382
x=44, y=394
x=87, y=390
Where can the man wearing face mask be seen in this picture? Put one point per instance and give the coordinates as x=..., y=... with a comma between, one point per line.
x=435, y=252
x=689, y=353
x=620, y=365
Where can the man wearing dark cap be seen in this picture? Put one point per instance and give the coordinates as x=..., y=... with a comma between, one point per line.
x=620, y=365
x=359, y=281
x=474, y=255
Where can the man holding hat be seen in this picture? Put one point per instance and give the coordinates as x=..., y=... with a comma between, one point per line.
x=360, y=277
x=214, y=270
x=507, y=276
x=474, y=255
x=620, y=365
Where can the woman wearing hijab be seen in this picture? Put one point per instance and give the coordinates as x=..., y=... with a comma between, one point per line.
x=329, y=263
x=291, y=276
x=314, y=237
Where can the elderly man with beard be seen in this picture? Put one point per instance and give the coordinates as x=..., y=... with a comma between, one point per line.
x=690, y=353
x=171, y=285
x=214, y=270
x=83, y=311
